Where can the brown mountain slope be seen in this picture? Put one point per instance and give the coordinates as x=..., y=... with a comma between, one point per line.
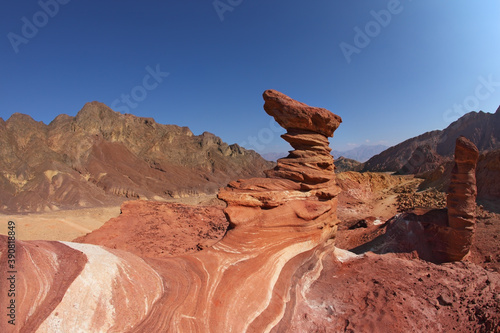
x=424, y=152
x=343, y=164
x=101, y=157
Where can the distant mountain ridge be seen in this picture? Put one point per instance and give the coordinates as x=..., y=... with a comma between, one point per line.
x=361, y=153
x=343, y=164
x=101, y=156
x=426, y=151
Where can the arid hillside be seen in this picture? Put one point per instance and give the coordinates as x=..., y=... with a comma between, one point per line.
x=102, y=157
x=427, y=151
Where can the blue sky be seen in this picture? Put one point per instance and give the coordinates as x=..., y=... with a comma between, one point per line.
x=391, y=69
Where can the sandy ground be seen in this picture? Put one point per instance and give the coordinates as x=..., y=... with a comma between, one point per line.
x=63, y=225
x=66, y=225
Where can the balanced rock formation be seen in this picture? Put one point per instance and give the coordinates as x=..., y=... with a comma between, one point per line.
x=307, y=172
x=461, y=200
x=280, y=229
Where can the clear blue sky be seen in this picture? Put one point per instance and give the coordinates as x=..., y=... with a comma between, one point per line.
x=411, y=63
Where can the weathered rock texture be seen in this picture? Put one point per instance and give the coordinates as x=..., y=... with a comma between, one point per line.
x=275, y=270
x=250, y=281
x=103, y=157
x=438, y=235
x=160, y=229
x=461, y=200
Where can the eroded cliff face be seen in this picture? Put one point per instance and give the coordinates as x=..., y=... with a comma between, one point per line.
x=102, y=157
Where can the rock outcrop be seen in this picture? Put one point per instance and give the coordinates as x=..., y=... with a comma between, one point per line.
x=275, y=270
x=439, y=235
x=461, y=200
x=160, y=229
x=250, y=281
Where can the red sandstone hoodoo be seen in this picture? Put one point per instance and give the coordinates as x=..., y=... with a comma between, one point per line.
x=439, y=235
x=461, y=201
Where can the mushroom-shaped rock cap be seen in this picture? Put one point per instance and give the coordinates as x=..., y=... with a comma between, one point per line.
x=291, y=114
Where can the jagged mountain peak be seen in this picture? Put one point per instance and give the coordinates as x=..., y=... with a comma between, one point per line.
x=21, y=118
x=101, y=155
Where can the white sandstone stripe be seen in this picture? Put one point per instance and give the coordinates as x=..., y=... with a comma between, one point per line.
x=92, y=291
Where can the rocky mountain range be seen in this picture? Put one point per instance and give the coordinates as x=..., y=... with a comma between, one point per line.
x=361, y=153
x=343, y=164
x=270, y=260
x=427, y=151
x=102, y=157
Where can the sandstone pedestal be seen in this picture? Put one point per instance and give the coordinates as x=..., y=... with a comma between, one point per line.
x=461, y=200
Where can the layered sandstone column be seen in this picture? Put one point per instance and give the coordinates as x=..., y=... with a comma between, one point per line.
x=305, y=177
x=308, y=129
x=461, y=200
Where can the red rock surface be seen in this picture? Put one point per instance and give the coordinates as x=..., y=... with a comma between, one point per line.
x=159, y=229
x=461, y=200
x=275, y=270
x=71, y=287
x=387, y=293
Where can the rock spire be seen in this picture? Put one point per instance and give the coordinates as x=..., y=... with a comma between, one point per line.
x=461, y=199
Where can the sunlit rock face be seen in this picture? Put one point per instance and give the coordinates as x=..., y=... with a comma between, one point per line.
x=280, y=229
x=461, y=200
x=439, y=235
